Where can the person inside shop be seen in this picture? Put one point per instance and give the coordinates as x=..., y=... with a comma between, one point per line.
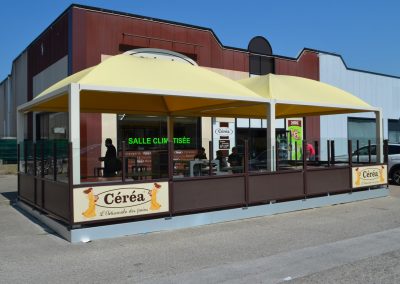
x=235, y=160
x=201, y=154
x=110, y=159
x=221, y=159
x=310, y=152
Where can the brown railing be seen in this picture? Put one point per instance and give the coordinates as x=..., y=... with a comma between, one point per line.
x=193, y=194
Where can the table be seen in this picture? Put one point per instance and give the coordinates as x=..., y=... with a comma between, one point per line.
x=205, y=163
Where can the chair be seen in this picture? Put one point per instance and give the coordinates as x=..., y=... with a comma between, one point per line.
x=98, y=171
x=139, y=172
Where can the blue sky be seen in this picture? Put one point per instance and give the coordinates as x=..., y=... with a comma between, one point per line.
x=365, y=32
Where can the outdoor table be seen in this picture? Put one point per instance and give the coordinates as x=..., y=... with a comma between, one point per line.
x=237, y=169
x=205, y=163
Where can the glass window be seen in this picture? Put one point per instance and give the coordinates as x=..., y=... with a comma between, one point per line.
x=393, y=149
x=361, y=129
x=242, y=122
x=255, y=123
x=146, y=141
x=52, y=125
x=394, y=130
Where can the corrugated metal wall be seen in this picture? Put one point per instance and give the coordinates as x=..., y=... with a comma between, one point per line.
x=19, y=75
x=377, y=90
x=6, y=106
x=3, y=106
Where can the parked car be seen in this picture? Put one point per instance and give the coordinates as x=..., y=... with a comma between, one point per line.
x=260, y=161
x=393, y=159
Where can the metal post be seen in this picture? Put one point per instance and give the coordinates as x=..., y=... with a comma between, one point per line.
x=124, y=166
x=34, y=159
x=171, y=176
x=328, y=149
x=74, y=131
x=304, y=150
x=18, y=157
x=349, y=151
x=379, y=137
x=333, y=152
x=210, y=152
x=25, y=157
x=304, y=153
x=271, y=136
x=246, y=156
x=54, y=160
x=369, y=151
x=246, y=172
x=316, y=144
x=295, y=153
x=69, y=169
x=170, y=160
x=385, y=151
x=277, y=157
x=42, y=160
x=70, y=184
x=358, y=152
x=18, y=167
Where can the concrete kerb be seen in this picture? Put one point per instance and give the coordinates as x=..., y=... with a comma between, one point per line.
x=198, y=219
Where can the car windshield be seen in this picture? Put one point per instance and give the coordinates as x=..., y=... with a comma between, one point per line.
x=363, y=151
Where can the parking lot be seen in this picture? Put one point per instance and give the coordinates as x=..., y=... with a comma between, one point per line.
x=353, y=243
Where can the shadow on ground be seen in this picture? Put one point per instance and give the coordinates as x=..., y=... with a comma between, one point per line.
x=11, y=196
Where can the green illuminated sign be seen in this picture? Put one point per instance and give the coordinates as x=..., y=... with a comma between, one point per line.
x=157, y=140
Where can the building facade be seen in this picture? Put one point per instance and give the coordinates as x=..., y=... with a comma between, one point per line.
x=83, y=36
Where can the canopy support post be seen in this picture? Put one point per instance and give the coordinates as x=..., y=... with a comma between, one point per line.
x=170, y=134
x=271, y=140
x=74, y=131
x=170, y=128
x=379, y=136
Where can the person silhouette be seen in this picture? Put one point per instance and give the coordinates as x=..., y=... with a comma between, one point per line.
x=110, y=159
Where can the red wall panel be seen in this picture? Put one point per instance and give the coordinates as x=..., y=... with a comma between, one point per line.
x=48, y=48
x=306, y=66
x=96, y=33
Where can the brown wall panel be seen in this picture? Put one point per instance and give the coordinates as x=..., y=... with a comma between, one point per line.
x=27, y=187
x=277, y=186
x=39, y=192
x=331, y=180
x=203, y=194
x=306, y=66
x=56, y=198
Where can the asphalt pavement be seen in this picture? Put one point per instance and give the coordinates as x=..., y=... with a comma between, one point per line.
x=349, y=243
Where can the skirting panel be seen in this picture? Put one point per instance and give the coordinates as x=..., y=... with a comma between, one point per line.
x=192, y=220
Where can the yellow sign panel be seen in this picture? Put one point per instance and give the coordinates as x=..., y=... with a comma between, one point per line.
x=108, y=202
x=369, y=176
